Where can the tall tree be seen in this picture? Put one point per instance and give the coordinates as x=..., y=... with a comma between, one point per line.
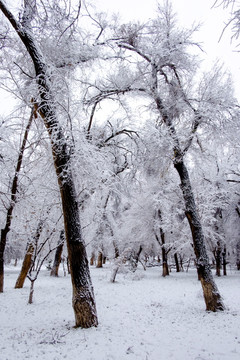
x=83, y=298
x=161, y=70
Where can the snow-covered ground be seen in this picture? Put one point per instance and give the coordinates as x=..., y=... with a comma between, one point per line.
x=142, y=316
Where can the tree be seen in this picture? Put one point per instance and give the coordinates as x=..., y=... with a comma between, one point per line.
x=14, y=190
x=83, y=297
x=162, y=69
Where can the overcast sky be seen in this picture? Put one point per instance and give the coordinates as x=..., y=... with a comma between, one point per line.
x=188, y=11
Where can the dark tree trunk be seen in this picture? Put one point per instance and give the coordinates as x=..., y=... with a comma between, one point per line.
x=211, y=294
x=238, y=255
x=165, y=270
x=14, y=188
x=99, y=260
x=224, y=254
x=176, y=262
x=25, y=267
x=116, y=250
x=218, y=258
x=83, y=297
x=58, y=256
x=238, y=243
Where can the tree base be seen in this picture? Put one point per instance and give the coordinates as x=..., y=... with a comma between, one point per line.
x=84, y=309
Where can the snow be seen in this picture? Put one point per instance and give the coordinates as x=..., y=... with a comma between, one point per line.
x=142, y=316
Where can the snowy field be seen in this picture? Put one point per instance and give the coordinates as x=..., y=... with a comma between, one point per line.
x=142, y=317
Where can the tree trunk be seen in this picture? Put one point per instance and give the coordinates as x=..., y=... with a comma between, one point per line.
x=30, y=299
x=211, y=294
x=210, y=291
x=238, y=243
x=165, y=270
x=176, y=262
x=25, y=267
x=135, y=258
x=14, y=189
x=116, y=250
x=217, y=254
x=224, y=253
x=92, y=259
x=99, y=260
x=83, y=297
x=58, y=256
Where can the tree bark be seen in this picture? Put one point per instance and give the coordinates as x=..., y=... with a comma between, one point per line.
x=83, y=297
x=165, y=270
x=25, y=267
x=58, y=256
x=238, y=243
x=224, y=253
x=211, y=294
x=116, y=250
x=176, y=262
x=14, y=188
x=217, y=254
x=99, y=260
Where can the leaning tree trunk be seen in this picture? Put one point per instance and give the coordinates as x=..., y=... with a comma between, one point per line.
x=58, y=256
x=83, y=297
x=29, y=260
x=25, y=267
x=14, y=189
x=211, y=294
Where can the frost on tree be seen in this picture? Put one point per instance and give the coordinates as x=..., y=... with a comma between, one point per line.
x=83, y=296
x=154, y=61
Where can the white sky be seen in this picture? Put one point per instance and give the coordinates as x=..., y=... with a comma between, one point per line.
x=188, y=12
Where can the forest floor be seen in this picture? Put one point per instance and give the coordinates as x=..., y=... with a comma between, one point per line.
x=142, y=316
